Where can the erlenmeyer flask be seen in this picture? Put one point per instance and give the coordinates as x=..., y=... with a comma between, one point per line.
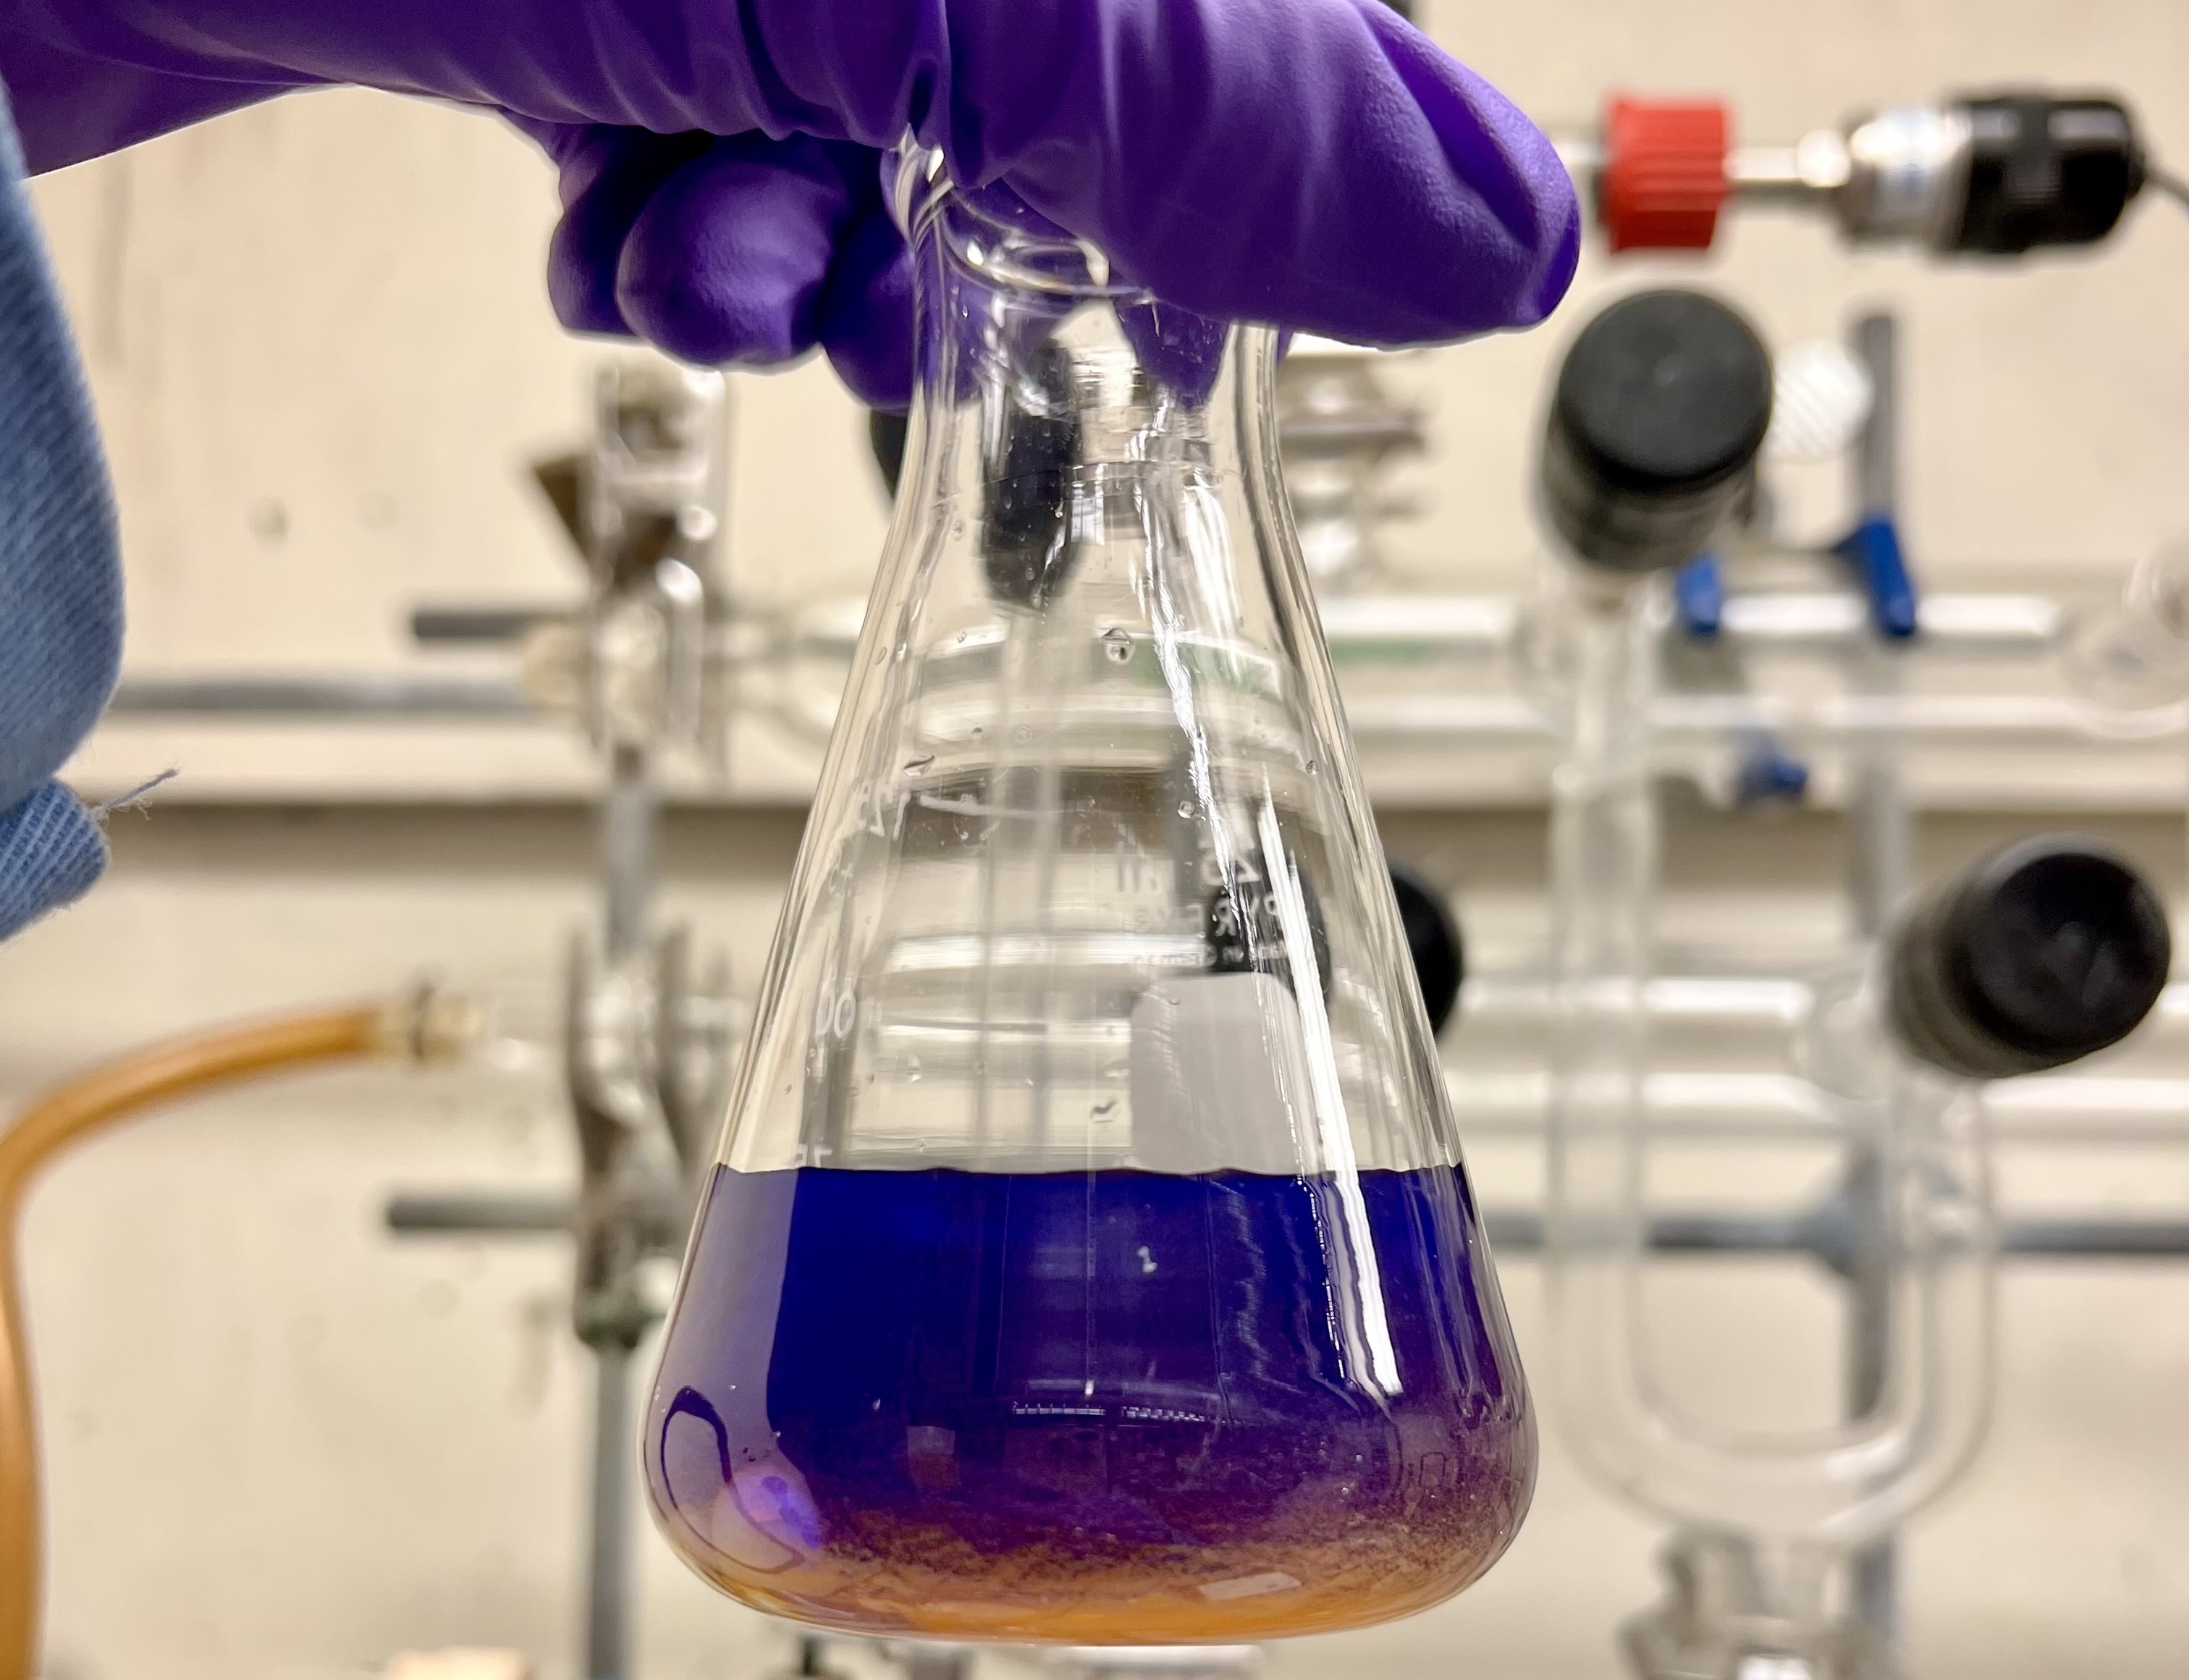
x=1089, y=1258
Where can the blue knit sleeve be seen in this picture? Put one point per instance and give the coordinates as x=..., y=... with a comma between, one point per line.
x=61, y=578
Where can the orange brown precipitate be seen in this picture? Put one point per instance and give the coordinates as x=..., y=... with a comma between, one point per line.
x=1113, y=1408
x=881, y=1577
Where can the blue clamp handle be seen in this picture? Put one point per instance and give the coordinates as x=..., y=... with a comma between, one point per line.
x=1767, y=775
x=1872, y=549
x=1699, y=597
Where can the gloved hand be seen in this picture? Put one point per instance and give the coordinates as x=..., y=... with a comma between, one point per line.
x=1315, y=164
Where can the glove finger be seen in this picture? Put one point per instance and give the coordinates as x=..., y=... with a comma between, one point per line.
x=608, y=176
x=728, y=261
x=866, y=310
x=1316, y=163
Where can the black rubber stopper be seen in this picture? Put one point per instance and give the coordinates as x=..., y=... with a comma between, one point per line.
x=1661, y=408
x=1026, y=540
x=2045, y=171
x=1432, y=939
x=2029, y=958
x=885, y=434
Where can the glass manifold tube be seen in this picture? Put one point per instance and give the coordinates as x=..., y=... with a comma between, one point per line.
x=1830, y=1489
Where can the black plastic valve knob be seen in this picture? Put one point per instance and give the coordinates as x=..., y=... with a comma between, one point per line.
x=1660, y=408
x=2045, y=171
x=2029, y=958
x=1433, y=939
x=1025, y=512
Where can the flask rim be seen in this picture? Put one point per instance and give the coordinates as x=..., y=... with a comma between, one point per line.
x=989, y=233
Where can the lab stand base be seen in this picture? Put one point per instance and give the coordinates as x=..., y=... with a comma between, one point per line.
x=1735, y=1609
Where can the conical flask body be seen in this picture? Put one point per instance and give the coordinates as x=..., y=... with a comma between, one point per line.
x=1090, y=1257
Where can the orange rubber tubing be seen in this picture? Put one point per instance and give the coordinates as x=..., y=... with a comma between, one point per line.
x=165, y=1073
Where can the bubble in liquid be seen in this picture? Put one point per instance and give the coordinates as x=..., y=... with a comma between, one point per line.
x=1312, y=767
x=913, y=767
x=1022, y=734
x=1186, y=808
x=1116, y=645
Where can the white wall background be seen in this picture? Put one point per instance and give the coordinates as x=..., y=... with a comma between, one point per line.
x=282, y=1445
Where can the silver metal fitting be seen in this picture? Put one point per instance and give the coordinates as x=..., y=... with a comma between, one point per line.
x=1907, y=174
x=654, y=505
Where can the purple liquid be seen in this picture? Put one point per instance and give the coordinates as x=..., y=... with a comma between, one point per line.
x=1113, y=1405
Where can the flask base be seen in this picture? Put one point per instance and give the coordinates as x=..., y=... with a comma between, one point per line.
x=1095, y=1407
x=1193, y=1598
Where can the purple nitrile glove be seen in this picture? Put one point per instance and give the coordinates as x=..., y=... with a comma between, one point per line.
x=1315, y=164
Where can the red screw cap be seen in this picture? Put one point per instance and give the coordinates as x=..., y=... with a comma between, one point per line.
x=1664, y=174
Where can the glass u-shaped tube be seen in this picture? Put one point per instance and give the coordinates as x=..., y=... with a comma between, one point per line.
x=1834, y=1487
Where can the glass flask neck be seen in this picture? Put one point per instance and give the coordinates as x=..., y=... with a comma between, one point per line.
x=1042, y=383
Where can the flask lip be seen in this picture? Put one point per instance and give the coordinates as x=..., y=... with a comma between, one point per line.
x=990, y=233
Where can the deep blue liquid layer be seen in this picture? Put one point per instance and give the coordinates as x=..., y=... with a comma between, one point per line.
x=939, y=1388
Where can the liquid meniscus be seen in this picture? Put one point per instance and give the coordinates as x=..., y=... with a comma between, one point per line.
x=1097, y=1406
